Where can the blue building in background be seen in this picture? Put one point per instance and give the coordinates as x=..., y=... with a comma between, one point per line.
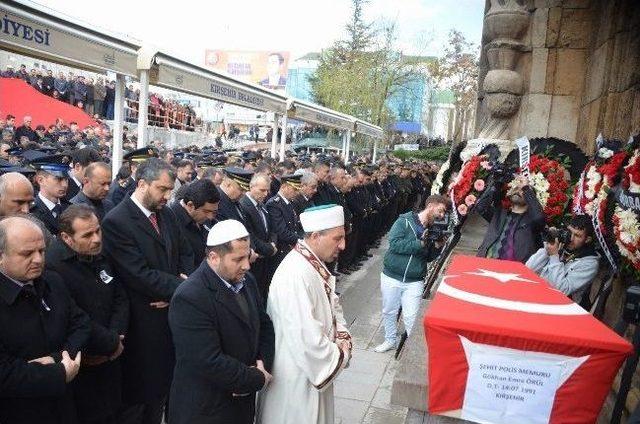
x=300, y=70
x=418, y=108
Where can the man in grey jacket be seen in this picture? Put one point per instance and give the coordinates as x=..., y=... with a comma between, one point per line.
x=569, y=268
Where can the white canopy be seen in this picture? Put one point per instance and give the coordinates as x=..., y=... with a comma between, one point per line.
x=366, y=128
x=315, y=114
x=33, y=30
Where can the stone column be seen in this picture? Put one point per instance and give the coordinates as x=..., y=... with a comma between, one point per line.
x=505, y=24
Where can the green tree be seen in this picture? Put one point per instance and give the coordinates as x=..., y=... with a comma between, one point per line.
x=358, y=74
x=457, y=70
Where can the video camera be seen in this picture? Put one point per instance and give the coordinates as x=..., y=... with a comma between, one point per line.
x=500, y=172
x=551, y=234
x=438, y=230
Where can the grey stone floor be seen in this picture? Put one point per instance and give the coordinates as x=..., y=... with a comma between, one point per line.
x=363, y=391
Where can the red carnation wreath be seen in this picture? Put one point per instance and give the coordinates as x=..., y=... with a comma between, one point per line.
x=596, y=181
x=547, y=177
x=470, y=184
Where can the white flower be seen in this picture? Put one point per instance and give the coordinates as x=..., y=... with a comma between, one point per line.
x=541, y=186
x=605, y=153
x=629, y=228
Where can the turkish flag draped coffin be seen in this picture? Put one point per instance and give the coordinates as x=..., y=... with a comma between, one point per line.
x=506, y=347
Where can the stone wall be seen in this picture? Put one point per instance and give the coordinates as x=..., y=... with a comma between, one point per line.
x=579, y=64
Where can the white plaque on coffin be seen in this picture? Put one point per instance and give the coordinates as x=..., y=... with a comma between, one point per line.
x=506, y=386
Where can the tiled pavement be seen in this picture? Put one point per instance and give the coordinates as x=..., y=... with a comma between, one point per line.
x=363, y=391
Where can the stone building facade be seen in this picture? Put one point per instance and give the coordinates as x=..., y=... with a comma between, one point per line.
x=560, y=68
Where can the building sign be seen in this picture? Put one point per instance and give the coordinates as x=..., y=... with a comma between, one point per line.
x=178, y=79
x=266, y=68
x=31, y=35
x=308, y=114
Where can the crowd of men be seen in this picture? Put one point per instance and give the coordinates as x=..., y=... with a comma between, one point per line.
x=89, y=263
x=97, y=97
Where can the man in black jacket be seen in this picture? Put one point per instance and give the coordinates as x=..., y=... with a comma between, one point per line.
x=514, y=233
x=80, y=160
x=95, y=187
x=41, y=329
x=283, y=219
x=257, y=223
x=234, y=185
x=151, y=259
x=308, y=189
x=197, y=203
x=52, y=179
x=223, y=337
x=76, y=256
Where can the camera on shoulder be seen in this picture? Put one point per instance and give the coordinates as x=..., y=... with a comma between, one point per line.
x=551, y=234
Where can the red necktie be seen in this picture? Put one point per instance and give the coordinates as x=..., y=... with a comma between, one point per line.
x=154, y=222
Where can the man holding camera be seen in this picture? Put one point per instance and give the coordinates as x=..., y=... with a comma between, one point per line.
x=412, y=244
x=568, y=260
x=512, y=233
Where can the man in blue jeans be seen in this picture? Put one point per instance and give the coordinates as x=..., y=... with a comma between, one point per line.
x=405, y=266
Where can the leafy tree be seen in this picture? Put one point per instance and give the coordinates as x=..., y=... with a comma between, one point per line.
x=457, y=70
x=358, y=74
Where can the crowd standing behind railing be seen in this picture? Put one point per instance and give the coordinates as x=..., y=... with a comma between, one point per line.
x=97, y=98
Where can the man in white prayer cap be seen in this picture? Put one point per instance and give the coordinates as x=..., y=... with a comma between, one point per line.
x=312, y=341
x=223, y=338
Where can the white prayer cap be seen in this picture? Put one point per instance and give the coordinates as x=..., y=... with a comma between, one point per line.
x=226, y=231
x=323, y=217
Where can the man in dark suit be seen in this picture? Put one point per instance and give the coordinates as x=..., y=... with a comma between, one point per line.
x=197, y=204
x=95, y=187
x=283, y=219
x=257, y=223
x=223, y=337
x=52, y=180
x=308, y=189
x=80, y=159
x=234, y=185
x=76, y=256
x=151, y=258
x=41, y=329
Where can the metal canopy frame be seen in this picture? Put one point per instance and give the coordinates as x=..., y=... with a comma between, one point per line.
x=316, y=114
x=176, y=74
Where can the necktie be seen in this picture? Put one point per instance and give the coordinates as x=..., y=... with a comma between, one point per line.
x=154, y=221
x=57, y=210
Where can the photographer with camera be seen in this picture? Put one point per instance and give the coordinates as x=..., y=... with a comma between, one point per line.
x=568, y=260
x=513, y=234
x=415, y=239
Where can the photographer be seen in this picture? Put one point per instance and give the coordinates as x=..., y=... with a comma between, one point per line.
x=413, y=242
x=568, y=260
x=513, y=233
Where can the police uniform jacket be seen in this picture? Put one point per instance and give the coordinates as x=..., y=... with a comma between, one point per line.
x=44, y=214
x=284, y=222
x=228, y=209
x=37, y=321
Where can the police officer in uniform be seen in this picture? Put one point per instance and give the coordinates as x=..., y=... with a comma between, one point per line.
x=283, y=219
x=52, y=179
